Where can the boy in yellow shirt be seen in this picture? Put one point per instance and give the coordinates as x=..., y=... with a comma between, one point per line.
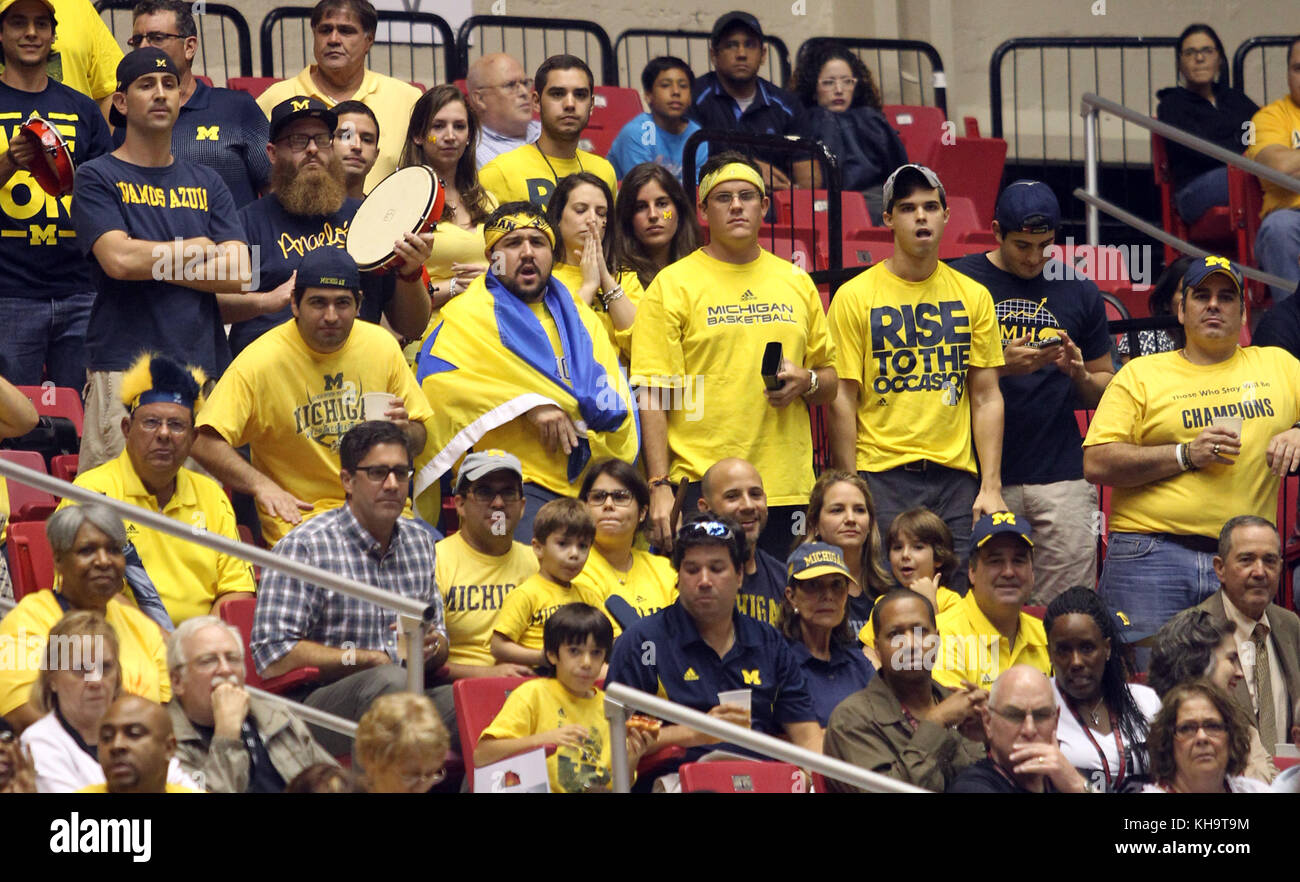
x=562, y=537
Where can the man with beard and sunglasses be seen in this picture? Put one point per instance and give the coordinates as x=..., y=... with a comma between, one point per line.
x=307, y=209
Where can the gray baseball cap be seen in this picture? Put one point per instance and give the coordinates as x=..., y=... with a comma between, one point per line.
x=483, y=463
x=930, y=178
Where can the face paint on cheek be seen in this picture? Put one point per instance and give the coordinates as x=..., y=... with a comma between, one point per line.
x=431, y=138
x=668, y=214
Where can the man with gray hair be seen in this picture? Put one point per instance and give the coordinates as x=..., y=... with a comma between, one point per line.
x=229, y=740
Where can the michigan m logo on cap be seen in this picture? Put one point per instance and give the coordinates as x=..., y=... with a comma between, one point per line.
x=1004, y=517
x=301, y=105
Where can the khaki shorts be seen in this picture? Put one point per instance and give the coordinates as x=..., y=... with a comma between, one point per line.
x=102, y=438
x=1066, y=523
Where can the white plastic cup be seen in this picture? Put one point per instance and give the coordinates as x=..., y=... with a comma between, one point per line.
x=1231, y=423
x=374, y=405
x=740, y=698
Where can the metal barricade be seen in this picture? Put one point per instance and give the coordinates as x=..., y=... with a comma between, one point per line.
x=531, y=40
x=225, y=42
x=417, y=47
x=905, y=71
x=1259, y=67
x=637, y=46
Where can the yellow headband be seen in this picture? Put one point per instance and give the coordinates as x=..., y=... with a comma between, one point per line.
x=732, y=171
x=493, y=232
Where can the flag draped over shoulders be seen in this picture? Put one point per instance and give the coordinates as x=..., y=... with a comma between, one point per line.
x=490, y=361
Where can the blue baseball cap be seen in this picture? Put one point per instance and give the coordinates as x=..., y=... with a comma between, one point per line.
x=329, y=268
x=1027, y=207
x=813, y=559
x=998, y=522
x=1199, y=270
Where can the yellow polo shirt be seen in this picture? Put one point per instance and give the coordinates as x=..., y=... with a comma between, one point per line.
x=965, y=649
x=1276, y=123
x=142, y=656
x=390, y=99
x=189, y=577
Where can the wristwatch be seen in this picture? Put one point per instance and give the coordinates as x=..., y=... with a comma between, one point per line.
x=813, y=385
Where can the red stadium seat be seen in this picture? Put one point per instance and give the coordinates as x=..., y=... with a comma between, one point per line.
x=28, y=503
x=31, y=562
x=463, y=85
x=478, y=701
x=65, y=467
x=597, y=140
x=803, y=211
x=920, y=128
x=252, y=85
x=613, y=106
x=1285, y=762
x=207, y=81
x=1213, y=231
x=972, y=167
x=239, y=612
x=1037, y=612
x=57, y=401
x=741, y=777
x=419, y=86
x=963, y=219
x=1245, y=202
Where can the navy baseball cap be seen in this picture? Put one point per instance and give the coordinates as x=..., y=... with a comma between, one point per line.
x=329, y=268
x=735, y=17
x=929, y=177
x=999, y=522
x=1027, y=207
x=145, y=60
x=813, y=559
x=301, y=107
x=1198, y=270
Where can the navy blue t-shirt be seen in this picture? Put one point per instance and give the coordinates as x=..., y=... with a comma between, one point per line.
x=39, y=257
x=181, y=201
x=762, y=592
x=1041, y=442
x=280, y=239
x=225, y=130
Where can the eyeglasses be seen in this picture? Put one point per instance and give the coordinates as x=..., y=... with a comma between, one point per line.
x=151, y=38
x=489, y=494
x=746, y=197
x=1203, y=52
x=212, y=660
x=429, y=779
x=843, y=82
x=526, y=83
x=1017, y=715
x=709, y=528
x=620, y=497
x=1213, y=728
x=380, y=473
x=153, y=424
x=298, y=143
x=7, y=736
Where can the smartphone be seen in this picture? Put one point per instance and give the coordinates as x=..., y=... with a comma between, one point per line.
x=1047, y=343
x=771, y=364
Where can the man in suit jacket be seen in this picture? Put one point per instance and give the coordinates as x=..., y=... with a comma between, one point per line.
x=1248, y=565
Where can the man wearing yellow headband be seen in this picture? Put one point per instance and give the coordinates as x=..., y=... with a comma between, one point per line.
x=697, y=349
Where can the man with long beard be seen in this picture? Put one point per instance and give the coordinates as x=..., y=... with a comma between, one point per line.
x=307, y=209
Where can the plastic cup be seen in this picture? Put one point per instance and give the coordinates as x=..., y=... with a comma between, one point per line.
x=739, y=697
x=374, y=405
x=1230, y=423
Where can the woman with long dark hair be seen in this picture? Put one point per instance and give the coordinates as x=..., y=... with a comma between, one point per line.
x=655, y=220
x=1104, y=718
x=1160, y=302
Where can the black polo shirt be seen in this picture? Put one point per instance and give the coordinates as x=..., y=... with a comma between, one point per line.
x=763, y=591
x=774, y=111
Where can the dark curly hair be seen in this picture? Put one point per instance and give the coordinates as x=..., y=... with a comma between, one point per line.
x=1160, y=741
x=813, y=56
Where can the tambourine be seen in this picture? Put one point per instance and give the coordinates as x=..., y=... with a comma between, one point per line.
x=54, y=173
x=410, y=200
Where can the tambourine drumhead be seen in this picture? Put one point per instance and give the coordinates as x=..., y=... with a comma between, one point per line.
x=54, y=171
x=407, y=201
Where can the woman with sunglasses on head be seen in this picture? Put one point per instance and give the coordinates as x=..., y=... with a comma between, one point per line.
x=619, y=500
x=1199, y=743
x=656, y=221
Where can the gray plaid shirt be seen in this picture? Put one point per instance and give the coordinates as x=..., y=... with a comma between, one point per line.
x=290, y=610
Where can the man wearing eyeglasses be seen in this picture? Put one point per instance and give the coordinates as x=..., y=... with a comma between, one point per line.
x=221, y=128
x=344, y=31
x=308, y=209
x=226, y=739
x=293, y=394
x=353, y=643
x=500, y=94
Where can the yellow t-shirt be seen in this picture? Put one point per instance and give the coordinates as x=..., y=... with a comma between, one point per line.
x=1276, y=123
x=292, y=405
x=1165, y=399
x=945, y=599
x=390, y=99
x=88, y=54
x=699, y=338
x=524, y=174
x=966, y=640
x=908, y=345
x=525, y=610
x=189, y=577
x=102, y=787
x=571, y=277
x=142, y=655
x=648, y=587
x=473, y=586
x=544, y=704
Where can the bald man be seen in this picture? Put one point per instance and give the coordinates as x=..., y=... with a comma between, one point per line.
x=136, y=745
x=1020, y=723
x=733, y=487
x=500, y=91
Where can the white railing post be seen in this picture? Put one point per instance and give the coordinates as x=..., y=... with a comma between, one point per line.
x=1090, y=172
x=616, y=713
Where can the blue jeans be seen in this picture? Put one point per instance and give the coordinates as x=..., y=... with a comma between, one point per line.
x=1277, y=246
x=949, y=493
x=1150, y=579
x=40, y=333
x=534, y=498
x=1202, y=193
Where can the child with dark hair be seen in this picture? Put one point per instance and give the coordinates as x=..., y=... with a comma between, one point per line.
x=660, y=134
x=564, y=710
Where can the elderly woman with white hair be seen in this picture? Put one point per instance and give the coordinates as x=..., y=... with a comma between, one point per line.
x=87, y=541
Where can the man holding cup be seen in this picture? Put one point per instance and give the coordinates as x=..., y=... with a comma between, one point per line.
x=297, y=389
x=1188, y=439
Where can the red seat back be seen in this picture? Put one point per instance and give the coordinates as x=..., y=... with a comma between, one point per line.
x=57, y=401
x=28, y=503
x=613, y=106
x=741, y=777
x=207, y=81
x=972, y=167
x=252, y=85
x=478, y=701
x=963, y=219
x=31, y=562
x=920, y=129
x=65, y=466
x=1245, y=202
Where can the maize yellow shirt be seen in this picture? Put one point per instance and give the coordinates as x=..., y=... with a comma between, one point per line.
x=293, y=405
x=571, y=277
x=524, y=174
x=699, y=337
x=102, y=787
x=87, y=53
x=966, y=645
x=390, y=99
x=1276, y=123
x=908, y=345
x=189, y=577
x=545, y=704
x=474, y=586
x=1165, y=399
x=524, y=613
x=142, y=655
x=651, y=584
x=945, y=599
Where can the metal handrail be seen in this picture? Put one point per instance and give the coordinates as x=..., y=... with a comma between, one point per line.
x=589, y=29
x=938, y=79
x=418, y=615
x=619, y=697
x=1248, y=46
